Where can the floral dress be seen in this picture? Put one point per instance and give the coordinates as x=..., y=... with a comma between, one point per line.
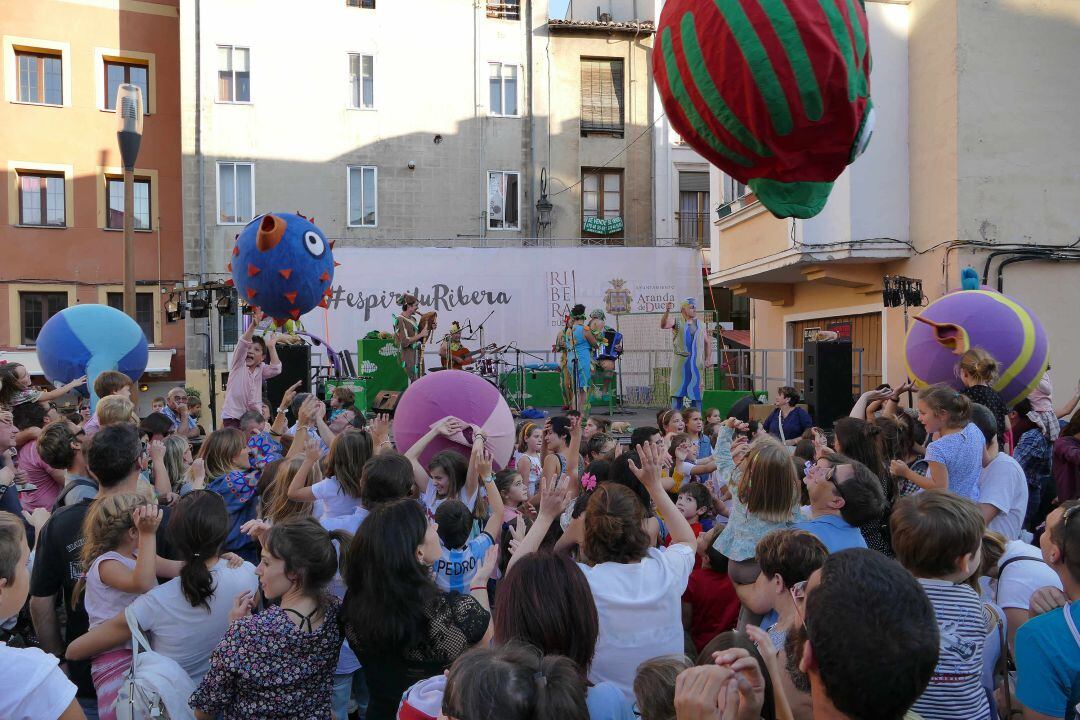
x=266, y=667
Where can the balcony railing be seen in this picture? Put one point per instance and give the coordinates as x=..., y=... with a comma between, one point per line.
x=693, y=229
x=504, y=10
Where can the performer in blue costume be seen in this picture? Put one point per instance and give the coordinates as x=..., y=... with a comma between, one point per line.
x=581, y=342
x=692, y=354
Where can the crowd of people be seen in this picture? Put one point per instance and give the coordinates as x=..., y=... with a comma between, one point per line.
x=913, y=562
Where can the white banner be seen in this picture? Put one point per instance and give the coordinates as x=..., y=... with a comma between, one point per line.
x=530, y=290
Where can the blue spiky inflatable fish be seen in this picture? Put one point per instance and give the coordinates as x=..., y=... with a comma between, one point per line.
x=284, y=265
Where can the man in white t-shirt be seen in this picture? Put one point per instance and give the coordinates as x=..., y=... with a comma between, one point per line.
x=32, y=687
x=1018, y=574
x=1003, y=490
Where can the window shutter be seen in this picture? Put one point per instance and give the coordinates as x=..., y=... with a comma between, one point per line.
x=694, y=182
x=601, y=95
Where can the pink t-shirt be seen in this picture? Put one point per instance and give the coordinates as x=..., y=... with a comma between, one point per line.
x=91, y=426
x=104, y=601
x=36, y=471
x=1040, y=397
x=244, y=391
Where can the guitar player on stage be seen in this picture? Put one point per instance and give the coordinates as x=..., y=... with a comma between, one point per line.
x=452, y=354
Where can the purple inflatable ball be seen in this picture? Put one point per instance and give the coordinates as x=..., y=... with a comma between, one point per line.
x=1003, y=327
x=469, y=398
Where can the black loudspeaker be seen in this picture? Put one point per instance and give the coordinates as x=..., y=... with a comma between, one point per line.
x=295, y=365
x=827, y=380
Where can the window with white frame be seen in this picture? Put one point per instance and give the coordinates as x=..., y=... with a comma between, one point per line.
x=361, y=81
x=41, y=199
x=502, y=84
x=234, y=74
x=236, y=187
x=504, y=197
x=114, y=218
x=363, y=196
x=733, y=189
x=40, y=77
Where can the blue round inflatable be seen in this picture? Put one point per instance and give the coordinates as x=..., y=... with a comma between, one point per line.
x=88, y=340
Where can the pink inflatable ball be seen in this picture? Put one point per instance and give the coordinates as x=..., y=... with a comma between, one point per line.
x=463, y=395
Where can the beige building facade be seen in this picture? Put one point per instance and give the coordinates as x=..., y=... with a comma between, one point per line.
x=397, y=125
x=973, y=154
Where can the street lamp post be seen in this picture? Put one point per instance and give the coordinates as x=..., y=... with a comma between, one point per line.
x=129, y=126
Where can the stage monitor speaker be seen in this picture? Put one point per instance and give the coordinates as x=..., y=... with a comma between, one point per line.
x=295, y=365
x=827, y=380
x=386, y=401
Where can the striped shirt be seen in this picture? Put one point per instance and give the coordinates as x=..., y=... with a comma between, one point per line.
x=455, y=569
x=955, y=689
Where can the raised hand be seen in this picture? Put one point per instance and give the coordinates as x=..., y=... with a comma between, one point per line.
x=232, y=560
x=243, y=604
x=483, y=462
x=554, y=495
x=517, y=534
x=257, y=317
x=198, y=472
x=256, y=529
x=146, y=519
x=450, y=426
x=898, y=468
x=651, y=462
x=575, y=424
x=38, y=518
x=290, y=395
x=312, y=451
x=483, y=573
x=380, y=428
x=736, y=424
x=157, y=450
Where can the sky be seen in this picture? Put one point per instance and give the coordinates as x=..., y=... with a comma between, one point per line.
x=557, y=8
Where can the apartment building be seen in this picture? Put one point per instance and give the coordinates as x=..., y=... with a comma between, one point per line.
x=453, y=124
x=63, y=205
x=970, y=156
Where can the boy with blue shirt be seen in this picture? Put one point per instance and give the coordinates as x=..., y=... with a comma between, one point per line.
x=1048, y=646
x=456, y=567
x=844, y=496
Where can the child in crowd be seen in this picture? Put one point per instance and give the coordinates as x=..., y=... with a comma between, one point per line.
x=695, y=503
x=764, y=497
x=15, y=387
x=41, y=482
x=595, y=425
x=513, y=493
x=601, y=446
x=341, y=399
x=107, y=384
x=446, y=475
x=709, y=602
x=713, y=417
x=226, y=458
x=787, y=558
x=157, y=404
x=285, y=656
x=654, y=686
x=562, y=440
x=114, y=410
x=695, y=428
x=119, y=553
x=460, y=556
x=339, y=493
x=671, y=423
x=530, y=441
x=954, y=459
x=513, y=682
x=32, y=686
x=977, y=369
x=937, y=536
x=264, y=446
x=277, y=506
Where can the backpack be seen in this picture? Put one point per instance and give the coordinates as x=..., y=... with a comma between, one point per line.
x=155, y=686
x=71, y=485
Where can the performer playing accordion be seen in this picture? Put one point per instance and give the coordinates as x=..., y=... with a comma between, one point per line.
x=610, y=346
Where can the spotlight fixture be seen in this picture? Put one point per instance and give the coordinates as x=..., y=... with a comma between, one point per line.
x=199, y=306
x=174, y=308
x=226, y=302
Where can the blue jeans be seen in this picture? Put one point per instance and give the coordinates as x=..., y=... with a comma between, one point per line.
x=346, y=687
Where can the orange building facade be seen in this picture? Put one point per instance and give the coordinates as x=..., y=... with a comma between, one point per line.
x=62, y=207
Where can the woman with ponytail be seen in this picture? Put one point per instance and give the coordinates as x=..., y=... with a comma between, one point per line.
x=514, y=682
x=186, y=617
x=280, y=662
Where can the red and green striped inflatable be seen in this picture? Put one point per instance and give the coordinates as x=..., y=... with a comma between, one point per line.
x=776, y=93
